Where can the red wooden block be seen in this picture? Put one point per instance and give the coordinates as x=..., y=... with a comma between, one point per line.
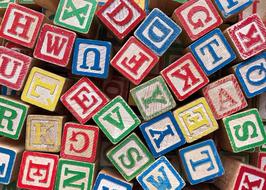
x=262, y=161
x=134, y=60
x=184, y=76
x=54, y=45
x=121, y=16
x=80, y=142
x=37, y=171
x=83, y=100
x=21, y=25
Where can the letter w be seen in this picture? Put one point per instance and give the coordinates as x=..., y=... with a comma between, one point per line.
x=55, y=44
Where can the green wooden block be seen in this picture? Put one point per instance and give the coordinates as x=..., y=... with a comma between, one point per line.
x=12, y=117
x=4, y=3
x=26, y=2
x=75, y=15
x=116, y=119
x=153, y=98
x=180, y=1
x=130, y=157
x=74, y=175
x=245, y=130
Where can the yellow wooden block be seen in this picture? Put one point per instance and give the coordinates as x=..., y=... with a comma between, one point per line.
x=43, y=89
x=195, y=120
x=141, y=3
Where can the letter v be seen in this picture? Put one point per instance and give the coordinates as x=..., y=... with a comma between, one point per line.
x=116, y=122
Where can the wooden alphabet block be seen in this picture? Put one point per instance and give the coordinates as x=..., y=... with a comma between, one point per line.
x=201, y=162
x=74, y=175
x=84, y=100
x=26, y=2
x=247, y=36
x=124, y=151
x=80, y=142
x=166, y=32
x=4, y=4
x=225, y=97
x=153, y=98
x=121, y=16
x=162, y=134
x=54, y=45
x=212, y=51
x=160, y=175
x=43, y=89
x=37, y=171
x=261, y=105
x=91, y=58
x=197, y=17
x=258, y=159
x=195, y=120
x=184, y=77
x=134, y=60
x=43, y=133
x=116, y=119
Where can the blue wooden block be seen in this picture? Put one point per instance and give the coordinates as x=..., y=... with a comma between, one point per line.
x=91, y=58
x=252, y=75
x=158, y=32
x=161, y=175
x=162, y=134
x=7, y=160
x=201, y=162
x=212, y=51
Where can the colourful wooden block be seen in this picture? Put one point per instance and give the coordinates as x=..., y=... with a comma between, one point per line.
x=195, y=120
x=142, y=4
x=158, y=32
x=130, y=157
x=116, y=119
x=121, y=16
x=84, y=100
x=12, y=117
x=258, y=159
x=160, y=175
x=26, y=2
x=162, y=134
x=43, y=133
x=134, y=60
x=54, y=45
x=4, y=4
x=153, y=98
x=80, y=142
x=201, y=162
x=261, y=105
x=21, y=25
x=37, y=171
x=14, y=68
x=251, y=75
x=197, y=17
x=91, y=58
x=247, y=36
x=184, y=77
x=212, y=51
x=225, y=97
x=74, y=175
x=43, y=89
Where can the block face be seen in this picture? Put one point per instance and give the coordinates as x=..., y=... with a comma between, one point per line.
x=4, y=3
x=37, y=171
x=262, y=161
x=121, y=16
x=225, y=97
x=153, y=98
x=124, y=151
x=73, y=174
x=43, y=89
x=79, y=142
x=75, y=15
x=54, y=45
x=14, y=68
x=21, y=25
x=84, y=100
x=116, y=119
x=195, y=120
x=207, y=16
x=251, y=75
x=7, y=160
x=134, y=60
x=184, y=77
x=212, y=51
x=237, y=127
x=167, y=30
x=91, y=58
x=12, y=117
x=162, y=134
x=201, y=162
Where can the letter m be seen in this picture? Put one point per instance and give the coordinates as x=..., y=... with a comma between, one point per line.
x=75, y=177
